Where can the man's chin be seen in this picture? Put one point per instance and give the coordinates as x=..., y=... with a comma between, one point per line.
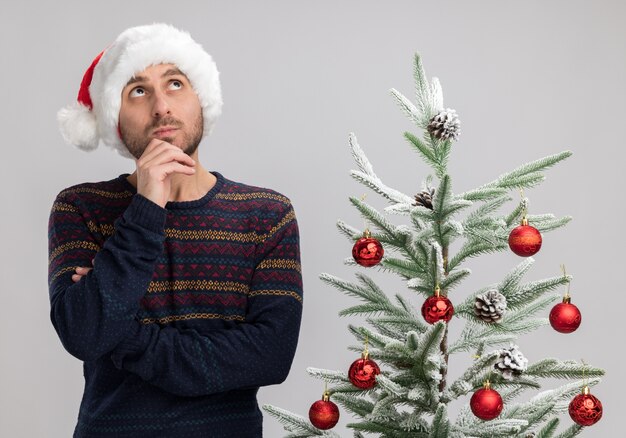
x=137, y=152
x=169, y=140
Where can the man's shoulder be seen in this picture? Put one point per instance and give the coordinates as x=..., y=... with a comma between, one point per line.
x=262, y=198
x=96, y=191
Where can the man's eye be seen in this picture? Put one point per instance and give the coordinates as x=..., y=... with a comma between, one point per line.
x=176, y=85
x=137, y=92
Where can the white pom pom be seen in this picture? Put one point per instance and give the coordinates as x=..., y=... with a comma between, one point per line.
x=79, y=126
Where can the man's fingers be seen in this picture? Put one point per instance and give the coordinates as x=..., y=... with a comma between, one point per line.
x=77, y=277
x=175, y=167
x=152, y=145
x=167, y=155
x=157, y=148
x=155, y=165
x=82, y=270
x=153, y=150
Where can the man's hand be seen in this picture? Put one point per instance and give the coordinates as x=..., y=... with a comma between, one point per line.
x=156, y=164
x=80, y=271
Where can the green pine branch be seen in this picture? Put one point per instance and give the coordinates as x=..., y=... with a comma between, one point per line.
x=484, y=210
x=473, y=248
x=329, y=376
x=404, y=268
x=368, y=291
x=525, y=176
x=387, y=429
x=571, y=431
x=441, y=425
x=355, y=404
x=494, y=428
x=402, y=324
x=483, y=194
x=516, y=215
x=299, y=426
x=428, y=348
x=375, y=340
x=548, y=429
x=531, y=291
x=427, y=153
x=513, y=278
x=461, y=386
x=555, y=368
x=422, y=88
x=371, y=214
x=409, y=109
x=552, y=398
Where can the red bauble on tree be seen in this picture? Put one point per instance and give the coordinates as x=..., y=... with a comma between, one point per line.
x=486, y=403
x=437, y=308
x=585, y=409
x=525, y=240
x=363, y=372
x=324, y=414
x=367, y=251
x=565, y=317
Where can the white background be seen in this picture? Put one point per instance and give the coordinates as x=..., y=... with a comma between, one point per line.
x=528, y=79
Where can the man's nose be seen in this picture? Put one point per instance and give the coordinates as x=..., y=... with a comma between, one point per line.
x=160, y=105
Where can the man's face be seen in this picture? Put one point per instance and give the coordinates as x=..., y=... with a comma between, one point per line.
x=160, y=103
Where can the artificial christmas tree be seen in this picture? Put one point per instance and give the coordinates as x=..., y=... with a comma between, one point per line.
x=411, y=394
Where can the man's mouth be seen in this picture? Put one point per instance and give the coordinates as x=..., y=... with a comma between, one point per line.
x=165, y=131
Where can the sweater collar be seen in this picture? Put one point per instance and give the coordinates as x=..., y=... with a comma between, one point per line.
x=179, y=205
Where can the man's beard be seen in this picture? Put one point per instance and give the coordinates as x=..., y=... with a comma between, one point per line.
x=137, y=144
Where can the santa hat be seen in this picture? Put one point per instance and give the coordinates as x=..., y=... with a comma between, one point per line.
x=95, y=115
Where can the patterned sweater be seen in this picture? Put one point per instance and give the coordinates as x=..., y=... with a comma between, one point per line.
x=188, y=310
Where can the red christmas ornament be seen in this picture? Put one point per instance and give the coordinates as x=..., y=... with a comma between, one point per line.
x=324, y=414
x=437, y=308
x=585, y=409
x=367, y=251
x=486, y=403
x=565, y=317
x=363, y=372
x=525, y=240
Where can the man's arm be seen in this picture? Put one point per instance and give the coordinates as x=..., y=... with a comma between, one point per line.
x=256, y=353
x=93, y=315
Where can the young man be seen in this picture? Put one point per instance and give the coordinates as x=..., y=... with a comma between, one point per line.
x=180, y=289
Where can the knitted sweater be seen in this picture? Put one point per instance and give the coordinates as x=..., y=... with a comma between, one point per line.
x=188, y=310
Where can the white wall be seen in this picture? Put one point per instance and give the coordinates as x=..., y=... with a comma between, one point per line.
x=528, y=79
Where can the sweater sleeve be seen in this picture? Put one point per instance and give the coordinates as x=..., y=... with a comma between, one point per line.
x=255, y=353
x=93, y=315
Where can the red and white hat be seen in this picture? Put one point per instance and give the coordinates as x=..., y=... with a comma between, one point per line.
x=95, y=115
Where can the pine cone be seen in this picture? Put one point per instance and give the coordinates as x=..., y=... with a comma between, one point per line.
x=425, y=198
x=490, y=306
x=445, y=125
x=511, y=362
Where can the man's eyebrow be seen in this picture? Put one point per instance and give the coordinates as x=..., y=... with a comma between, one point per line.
x=172, y=72
x=136, y=79
x=169, y=72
